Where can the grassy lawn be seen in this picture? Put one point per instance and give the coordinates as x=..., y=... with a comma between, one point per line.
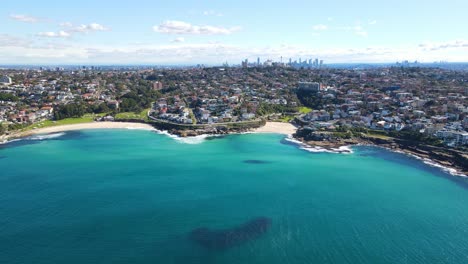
x=67, y=121
x=372, y=135
x=130, y=115
x=87, y=118
x=192, y=116
x=304, y=110
x=286, y=119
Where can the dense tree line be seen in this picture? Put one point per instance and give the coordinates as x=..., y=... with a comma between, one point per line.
x=78, y=109
x=70, y=110
x=138, y=99
x=8, y=97
x=266, y=109
x=315, y=100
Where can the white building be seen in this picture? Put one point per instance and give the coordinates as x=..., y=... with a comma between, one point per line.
x=309, y=86
x=5, y=80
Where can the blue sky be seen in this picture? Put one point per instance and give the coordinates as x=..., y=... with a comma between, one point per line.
x=212, y=32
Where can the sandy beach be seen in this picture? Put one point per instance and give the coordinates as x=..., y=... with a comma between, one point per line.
x=277, y=127
x=270, y=127
x=83, y=126
x=94, y=125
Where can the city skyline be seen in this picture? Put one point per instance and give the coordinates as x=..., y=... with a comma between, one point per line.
x=210, y=32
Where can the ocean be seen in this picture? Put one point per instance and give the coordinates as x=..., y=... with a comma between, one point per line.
x=131, y=196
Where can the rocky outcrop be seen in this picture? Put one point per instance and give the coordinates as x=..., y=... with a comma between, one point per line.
x=444, y=156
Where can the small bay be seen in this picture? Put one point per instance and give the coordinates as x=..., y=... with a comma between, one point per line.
x=131, y=196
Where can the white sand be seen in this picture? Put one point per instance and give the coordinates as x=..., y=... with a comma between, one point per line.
x=277, y=127
x=270, y=127
x=94, y=125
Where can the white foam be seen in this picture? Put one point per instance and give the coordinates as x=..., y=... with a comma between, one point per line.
x=426, y=161
x=192, y=140
x=432, y=163
x=289, y=138
x=9, y=141
x=317, y=149
x=45, y=137
x=140, y=128
x=187, y=140
x=343, y=149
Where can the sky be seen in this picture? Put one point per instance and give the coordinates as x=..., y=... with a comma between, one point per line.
x=213, y=32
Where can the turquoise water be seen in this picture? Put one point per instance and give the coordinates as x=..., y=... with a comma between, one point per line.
x=127, y=196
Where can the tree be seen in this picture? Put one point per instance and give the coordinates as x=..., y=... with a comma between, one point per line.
x=70, y=110
x=8, y=97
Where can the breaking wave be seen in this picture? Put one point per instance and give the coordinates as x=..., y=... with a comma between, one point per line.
x=45, y=137
x=317, y=149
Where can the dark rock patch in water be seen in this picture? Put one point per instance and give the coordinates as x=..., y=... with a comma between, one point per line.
x=231, y=237
x=257, y=161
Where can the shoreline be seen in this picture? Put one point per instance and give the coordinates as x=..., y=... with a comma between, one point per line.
x=430, y=158
x=269, y=127
x=277, y=128
x=287, y=129
x=72, y=127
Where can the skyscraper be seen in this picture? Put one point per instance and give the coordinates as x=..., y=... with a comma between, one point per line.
x=245, y=63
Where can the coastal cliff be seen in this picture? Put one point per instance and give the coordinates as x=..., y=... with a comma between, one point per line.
x=446, y=157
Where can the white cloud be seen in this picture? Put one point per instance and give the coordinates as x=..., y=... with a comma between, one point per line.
x=16, y=49
x=179, y=27
x=212, y=13
x=320, y=27
x=373, y=22
x=432, y=46
x=69, y=29
x=178, y=40
x=93, y=27
x=330, y=19
x=50, y=34
x=66, y=24
x=25, y=18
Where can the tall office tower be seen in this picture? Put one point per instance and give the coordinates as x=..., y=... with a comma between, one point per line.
x=258, y=61
x=245, y=63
